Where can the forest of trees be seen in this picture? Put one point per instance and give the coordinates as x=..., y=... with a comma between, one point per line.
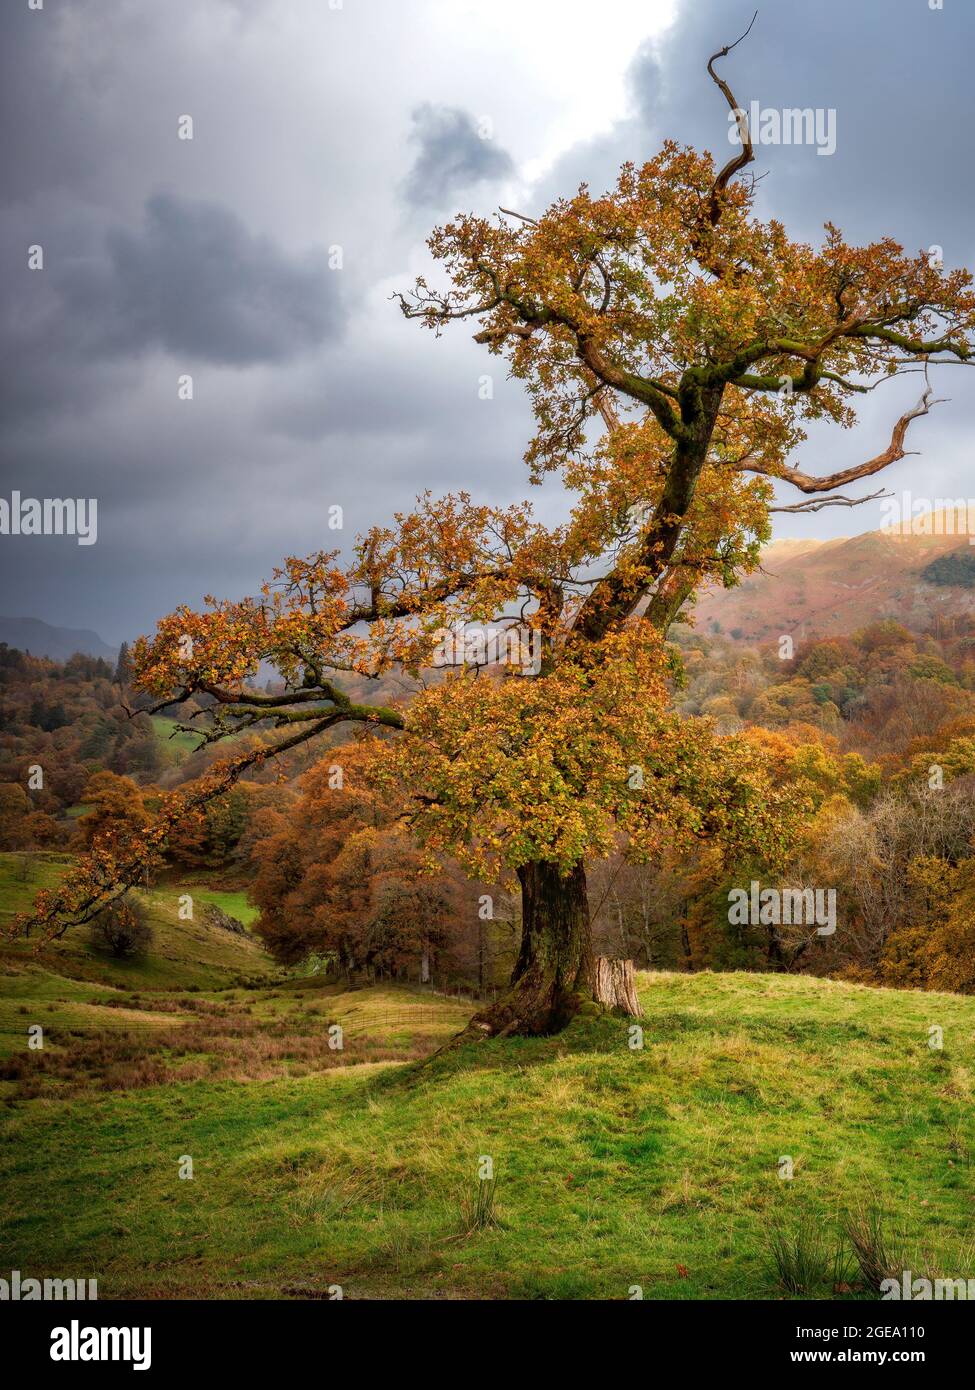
x=873, y=734
x=889, y=796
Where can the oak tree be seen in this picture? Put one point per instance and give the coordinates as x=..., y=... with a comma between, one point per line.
x=674, y=347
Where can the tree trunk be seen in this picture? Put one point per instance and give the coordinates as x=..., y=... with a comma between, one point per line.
x=555, y=971
x=614, y=985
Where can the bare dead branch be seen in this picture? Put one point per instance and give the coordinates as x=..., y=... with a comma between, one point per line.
x=701, y=241
x=839, y=501
x=520, y=216
x=746, y=154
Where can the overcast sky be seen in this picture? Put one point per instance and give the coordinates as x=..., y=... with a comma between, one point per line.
x=360, y=125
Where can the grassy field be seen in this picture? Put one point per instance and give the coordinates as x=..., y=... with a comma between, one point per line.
x=233, y=901
x=176, y=743
x=615, y=1167
x=184, y=954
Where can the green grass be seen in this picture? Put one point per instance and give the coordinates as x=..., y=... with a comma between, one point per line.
x=176, y=743
x=184, y=954
x=656, y=1167
x=233, y=901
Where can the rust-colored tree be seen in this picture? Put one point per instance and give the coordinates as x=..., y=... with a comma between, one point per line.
x=705, y=339
x=115, y=811
x=338, y=878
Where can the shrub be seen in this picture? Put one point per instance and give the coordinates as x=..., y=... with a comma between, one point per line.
x=122, y=928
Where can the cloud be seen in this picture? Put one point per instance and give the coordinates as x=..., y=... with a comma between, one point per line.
x=310, y=387
x=452, y=156
x=196, y=283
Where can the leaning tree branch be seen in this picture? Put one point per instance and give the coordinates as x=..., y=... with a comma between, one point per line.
x=606, y=406
x=895, y=451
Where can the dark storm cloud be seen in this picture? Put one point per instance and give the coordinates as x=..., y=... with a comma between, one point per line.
x=193, y=281
x=452, y=156
x=207, y=496
x=164, y=256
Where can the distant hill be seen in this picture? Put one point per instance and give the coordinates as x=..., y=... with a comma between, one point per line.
x=813, y=588
x=56, y=643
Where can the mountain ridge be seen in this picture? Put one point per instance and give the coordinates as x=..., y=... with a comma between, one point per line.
x=808, y=587
x=56, y=643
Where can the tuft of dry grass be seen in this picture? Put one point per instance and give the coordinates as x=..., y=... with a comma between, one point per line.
x=865, y=1227
x=480, y=1212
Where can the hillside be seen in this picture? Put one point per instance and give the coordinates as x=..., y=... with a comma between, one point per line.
x=200, y=992
x=810, y=588
x=56, y=643
x=184, y=954
x=659, y=1166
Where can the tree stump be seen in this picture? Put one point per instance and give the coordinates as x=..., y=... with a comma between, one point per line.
x=613, y=984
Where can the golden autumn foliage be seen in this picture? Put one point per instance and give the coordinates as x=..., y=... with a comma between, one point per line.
x=936, y=950
x=558, y=768
x=701, y=341
x=341, y=879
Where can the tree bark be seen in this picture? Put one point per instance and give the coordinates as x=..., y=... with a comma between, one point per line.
x=555, y=974
x=614, y=985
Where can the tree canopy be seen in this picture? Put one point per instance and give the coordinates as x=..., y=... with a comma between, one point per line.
x=674, y=347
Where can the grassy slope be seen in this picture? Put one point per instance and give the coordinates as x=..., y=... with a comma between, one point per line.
x=66, y=977
x=616, y=1167
x=176, y=743
x=233, y=901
